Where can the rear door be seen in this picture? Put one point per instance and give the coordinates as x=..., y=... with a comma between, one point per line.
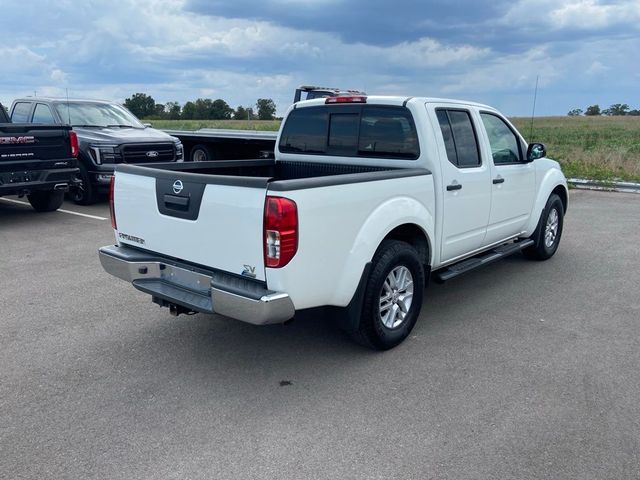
x=21, y=112
x=465, y=183
x=42, y=114
x=513, y=181
x=209, y=220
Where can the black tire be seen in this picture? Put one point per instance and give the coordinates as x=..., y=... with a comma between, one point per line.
x=543, y=249
x=83, y=193
x=203, y=153
x=372, y=331
x=46, y=201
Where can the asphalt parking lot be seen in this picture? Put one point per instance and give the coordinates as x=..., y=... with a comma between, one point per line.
x=522, y=370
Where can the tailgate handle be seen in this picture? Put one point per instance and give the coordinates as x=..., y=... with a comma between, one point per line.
x=176, y=202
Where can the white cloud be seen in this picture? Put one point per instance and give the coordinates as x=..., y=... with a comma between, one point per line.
x=157, y=47
x=508, y=72
x=536, y=15
x=20, y=60
x=596, y=68
x=58, y=76
x=591, y=14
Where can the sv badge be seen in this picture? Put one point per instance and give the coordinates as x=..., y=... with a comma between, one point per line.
x=249, y=271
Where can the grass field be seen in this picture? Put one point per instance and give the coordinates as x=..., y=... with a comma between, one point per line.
x=266, y=125
x=603, y=148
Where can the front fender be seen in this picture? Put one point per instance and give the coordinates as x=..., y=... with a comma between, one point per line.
x=550, y=177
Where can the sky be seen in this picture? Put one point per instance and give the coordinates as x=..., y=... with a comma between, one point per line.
x=583, y=51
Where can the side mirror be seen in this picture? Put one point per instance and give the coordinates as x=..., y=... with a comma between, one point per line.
x=536, y=151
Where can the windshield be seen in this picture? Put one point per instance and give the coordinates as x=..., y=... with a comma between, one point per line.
x=96, y=115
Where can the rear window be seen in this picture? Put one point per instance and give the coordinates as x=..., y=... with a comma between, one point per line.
x=20, y=112
x=351, y=131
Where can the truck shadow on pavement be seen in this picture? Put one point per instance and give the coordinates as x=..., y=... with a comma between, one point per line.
x=219, y=351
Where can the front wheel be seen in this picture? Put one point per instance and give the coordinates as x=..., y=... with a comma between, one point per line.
x=83, y=193
x=393, y=296
x=46, y=201
x=549, y=230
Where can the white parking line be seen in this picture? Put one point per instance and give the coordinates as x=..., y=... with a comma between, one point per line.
x=95, y=217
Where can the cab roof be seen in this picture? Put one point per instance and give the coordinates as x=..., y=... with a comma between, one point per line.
x=396, y=100
x=63, y=100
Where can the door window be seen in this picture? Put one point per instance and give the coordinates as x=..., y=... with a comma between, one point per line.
x=505, y=145
x=459, y=138
x=42, y=114
x=20, y=112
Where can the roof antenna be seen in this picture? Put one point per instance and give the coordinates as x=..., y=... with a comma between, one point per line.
x=535, y=97
x=68, y=111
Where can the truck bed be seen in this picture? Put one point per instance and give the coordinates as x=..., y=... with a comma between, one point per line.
x=211, y=213
x=221, y=133
x=276, y=175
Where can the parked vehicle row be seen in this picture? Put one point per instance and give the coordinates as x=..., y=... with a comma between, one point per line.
x=367, y=198
x=107, y=134
x=38, y=161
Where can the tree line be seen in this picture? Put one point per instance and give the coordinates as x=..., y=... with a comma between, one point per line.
x=145, y=107
x=615, y=110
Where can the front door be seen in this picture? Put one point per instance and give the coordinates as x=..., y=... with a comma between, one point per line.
x=513, y=180
x=466, y=183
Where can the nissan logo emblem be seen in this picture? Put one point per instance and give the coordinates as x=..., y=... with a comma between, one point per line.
x=152, y=154
x=177, y=186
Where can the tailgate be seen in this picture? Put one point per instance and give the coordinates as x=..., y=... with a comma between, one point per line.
x=210, y=220
x=34, y=142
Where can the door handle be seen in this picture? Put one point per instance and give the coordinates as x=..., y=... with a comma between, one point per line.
x=175, y=202
x=498, y=180
x=454, y=186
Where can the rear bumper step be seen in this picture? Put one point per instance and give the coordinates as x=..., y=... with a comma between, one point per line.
x=481, y=260
x=171, y=282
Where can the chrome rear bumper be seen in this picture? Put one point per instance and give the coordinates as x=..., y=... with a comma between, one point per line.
x=171, y=282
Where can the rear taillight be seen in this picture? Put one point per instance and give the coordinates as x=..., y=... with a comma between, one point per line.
x=345, y=99
x=73, y=140
x=112, y=207
x=280, y=231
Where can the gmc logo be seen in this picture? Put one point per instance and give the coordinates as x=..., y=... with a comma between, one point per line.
x=17, y=140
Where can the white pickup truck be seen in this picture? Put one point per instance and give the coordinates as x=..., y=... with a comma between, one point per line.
x=366, y=199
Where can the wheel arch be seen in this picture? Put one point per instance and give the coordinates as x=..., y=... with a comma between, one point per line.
x=552, y=182
x=562, y=192
x=415, y=236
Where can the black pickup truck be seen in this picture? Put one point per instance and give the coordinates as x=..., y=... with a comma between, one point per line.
x=38, y=161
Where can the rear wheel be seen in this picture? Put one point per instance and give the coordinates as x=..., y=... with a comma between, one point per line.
x=393, y=296
x=549, y=230
x=203, y=153
x=46, y=201
x=83, y=193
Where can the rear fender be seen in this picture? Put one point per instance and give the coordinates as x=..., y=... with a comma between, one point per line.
x=402, y=210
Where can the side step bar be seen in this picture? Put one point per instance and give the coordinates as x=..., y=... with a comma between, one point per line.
x=481, y=260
